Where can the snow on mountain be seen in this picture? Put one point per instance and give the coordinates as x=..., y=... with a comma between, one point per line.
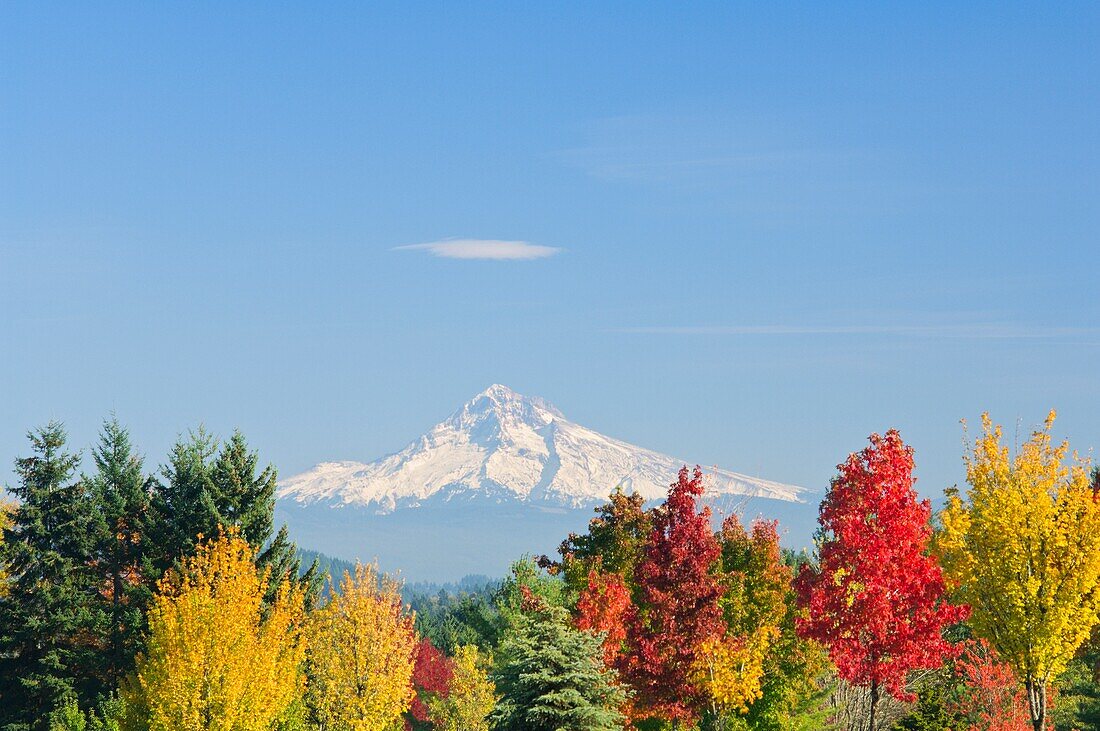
x=502, y=445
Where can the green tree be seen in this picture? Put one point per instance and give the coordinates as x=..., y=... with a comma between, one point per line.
x=183, y=500
x=50, y=617
x=551, y=676
x=204, y=488
x=120, y=490
x=451, y=621
x=527, y=577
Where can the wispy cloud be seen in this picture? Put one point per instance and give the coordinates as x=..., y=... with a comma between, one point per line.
x=482, y=249
x=972, y=331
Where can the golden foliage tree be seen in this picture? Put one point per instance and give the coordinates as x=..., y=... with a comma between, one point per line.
x=361, y=653
x=1023, y=549
x=217, y=659
x=471, y=697
x=730, y=668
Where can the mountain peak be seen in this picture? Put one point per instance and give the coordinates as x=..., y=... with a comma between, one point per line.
x=500, y=391
x=504, y=407
x=504, y=445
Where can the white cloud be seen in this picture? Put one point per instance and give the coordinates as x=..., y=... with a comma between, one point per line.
x=482, y=249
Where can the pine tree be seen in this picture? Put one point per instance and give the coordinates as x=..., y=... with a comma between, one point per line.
x=281, y=560
x=242, y=494
x=205, y=489
x=121, y=493
x=50, y=617
x=551, y=676
x=183, y=500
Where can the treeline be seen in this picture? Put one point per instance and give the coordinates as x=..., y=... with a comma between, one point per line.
x=83, y=556
x=135, y=601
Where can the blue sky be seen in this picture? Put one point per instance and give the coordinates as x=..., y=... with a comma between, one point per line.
x=770, y=229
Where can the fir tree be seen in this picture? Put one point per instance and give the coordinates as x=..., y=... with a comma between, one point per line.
x=241, y=495
x=284, y=564
x=121, y=493
x=50, y=618
x=551, y=676
x=183, y=500
x=244, y=496
x=204, y=488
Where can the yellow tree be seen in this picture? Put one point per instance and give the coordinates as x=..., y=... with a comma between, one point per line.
x=217, y=658
x=471, y=697
x=731, y=668
x=1023, y=549
x=361, y=653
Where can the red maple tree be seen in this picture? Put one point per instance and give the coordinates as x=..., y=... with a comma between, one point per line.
x=991, y=699
x=432, y=673
x=678, y=609
x=876, y=598
x=604, y=606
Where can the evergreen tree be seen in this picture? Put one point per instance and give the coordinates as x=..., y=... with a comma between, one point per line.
x=551, y=676
x=284, y=564
x=50, y=617
x=242, y=496
x=121, y=493
x=183, y=500
x=205, y=488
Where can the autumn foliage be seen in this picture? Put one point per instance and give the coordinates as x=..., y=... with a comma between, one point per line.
x=650, y=620
x=679, y=609
x=604, y=606
x=431, y=678
x=362, y=651
x=470, y=698
x=876, y=598
x=1023, y=549
x=216, y=657
x=991, y=699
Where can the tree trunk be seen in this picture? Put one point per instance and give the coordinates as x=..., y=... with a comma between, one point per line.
x=874, y=704
x=1037, y=703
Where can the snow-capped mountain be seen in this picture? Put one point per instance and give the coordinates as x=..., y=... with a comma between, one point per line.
x=505, y=446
